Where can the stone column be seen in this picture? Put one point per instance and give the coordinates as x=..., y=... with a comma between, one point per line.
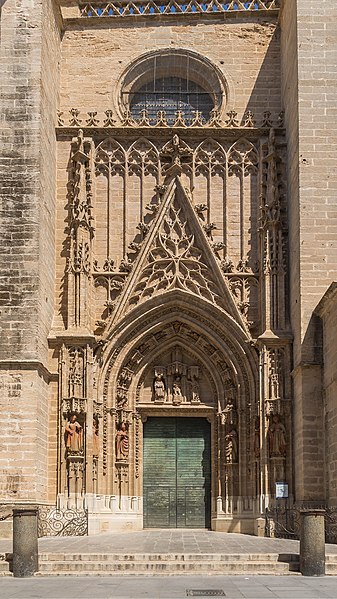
x=312, y=543
x=25, y=546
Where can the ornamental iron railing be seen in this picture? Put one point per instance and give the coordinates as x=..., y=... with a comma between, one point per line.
x=284, y=523
x=159, y=7
x=54, y=522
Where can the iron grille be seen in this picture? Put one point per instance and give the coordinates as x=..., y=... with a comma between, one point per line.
x=54, y=522
x=170, y=95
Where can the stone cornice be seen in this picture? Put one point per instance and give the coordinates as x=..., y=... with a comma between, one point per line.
x=89, y=12
x=24, y=365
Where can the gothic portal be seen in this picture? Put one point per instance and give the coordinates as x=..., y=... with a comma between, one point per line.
x=175, y=261
x=160, y=340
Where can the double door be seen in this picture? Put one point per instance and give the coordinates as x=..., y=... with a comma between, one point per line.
x=177, y=473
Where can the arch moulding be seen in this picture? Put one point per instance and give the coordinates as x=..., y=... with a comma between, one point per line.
x=197, y=337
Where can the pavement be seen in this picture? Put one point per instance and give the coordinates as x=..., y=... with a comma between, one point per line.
x=168, y=587
x=172, y=587
x=166, y=541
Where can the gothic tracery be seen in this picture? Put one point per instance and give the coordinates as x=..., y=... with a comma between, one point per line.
x=205, y=219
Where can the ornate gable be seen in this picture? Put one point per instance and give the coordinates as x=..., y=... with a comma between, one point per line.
x=176, y=254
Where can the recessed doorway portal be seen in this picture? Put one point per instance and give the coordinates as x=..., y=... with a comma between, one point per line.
x=177, y=473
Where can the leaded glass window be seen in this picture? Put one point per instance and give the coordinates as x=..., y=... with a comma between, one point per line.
x=171, y=94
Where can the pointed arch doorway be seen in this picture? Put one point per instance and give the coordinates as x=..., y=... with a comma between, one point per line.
x=177, y=472
x=185, y=360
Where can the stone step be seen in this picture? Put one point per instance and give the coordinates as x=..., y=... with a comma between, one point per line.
x=4, y=566
x=331, y=558
x=164, y=557
x=173, y=570
x=331, y=568
x=166, y=564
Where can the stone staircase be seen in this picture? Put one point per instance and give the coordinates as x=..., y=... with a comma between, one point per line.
x=166, y=564
x=151, y=564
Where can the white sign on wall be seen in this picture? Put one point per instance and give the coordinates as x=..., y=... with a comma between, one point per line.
x=281, y=491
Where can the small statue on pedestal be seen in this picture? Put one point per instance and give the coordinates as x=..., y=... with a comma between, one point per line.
x=122, y=443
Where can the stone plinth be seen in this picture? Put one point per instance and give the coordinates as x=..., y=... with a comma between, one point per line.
x=25, y=545
x=312, y=543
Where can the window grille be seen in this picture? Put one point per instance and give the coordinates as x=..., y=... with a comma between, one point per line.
x=171, y=94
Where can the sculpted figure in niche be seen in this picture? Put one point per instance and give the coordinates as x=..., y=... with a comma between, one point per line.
x=229, y=414
x=159, y=388
x=276, y=437
x=122, y=443
x=73, y=435
x=176, y=390
x=195, y=390
x=274, y=386
x=231, y=441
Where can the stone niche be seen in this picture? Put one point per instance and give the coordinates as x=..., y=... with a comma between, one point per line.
x=176, y=378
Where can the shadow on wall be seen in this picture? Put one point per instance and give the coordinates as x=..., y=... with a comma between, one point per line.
x=266, y=93
x=310, y=447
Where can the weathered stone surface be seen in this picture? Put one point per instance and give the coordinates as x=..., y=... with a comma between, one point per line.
x=198, y=252
x=312, y=543
x=25, y=546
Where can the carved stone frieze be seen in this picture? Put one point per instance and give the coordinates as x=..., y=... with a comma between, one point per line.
x=108, y=119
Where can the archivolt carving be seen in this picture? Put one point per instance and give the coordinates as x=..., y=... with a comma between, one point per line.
x=138, y=347
x=167, y=312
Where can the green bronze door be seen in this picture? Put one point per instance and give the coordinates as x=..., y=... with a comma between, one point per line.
x=177, y=473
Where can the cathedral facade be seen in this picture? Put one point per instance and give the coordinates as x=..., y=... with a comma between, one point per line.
x=169, y=251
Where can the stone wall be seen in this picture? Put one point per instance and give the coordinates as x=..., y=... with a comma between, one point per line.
x=245, y=50
x=309, y=85
x=30, y=41
x=327, y=310
x=41, y=74
x=94, y=59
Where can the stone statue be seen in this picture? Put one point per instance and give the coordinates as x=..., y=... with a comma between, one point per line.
x=194, y=385
x=122, y=443
x=274, y=386
x=176, y=390
x=229, y=414
x=231, y=440
x=73, y=435
x=276, y=437
x=159, y=388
